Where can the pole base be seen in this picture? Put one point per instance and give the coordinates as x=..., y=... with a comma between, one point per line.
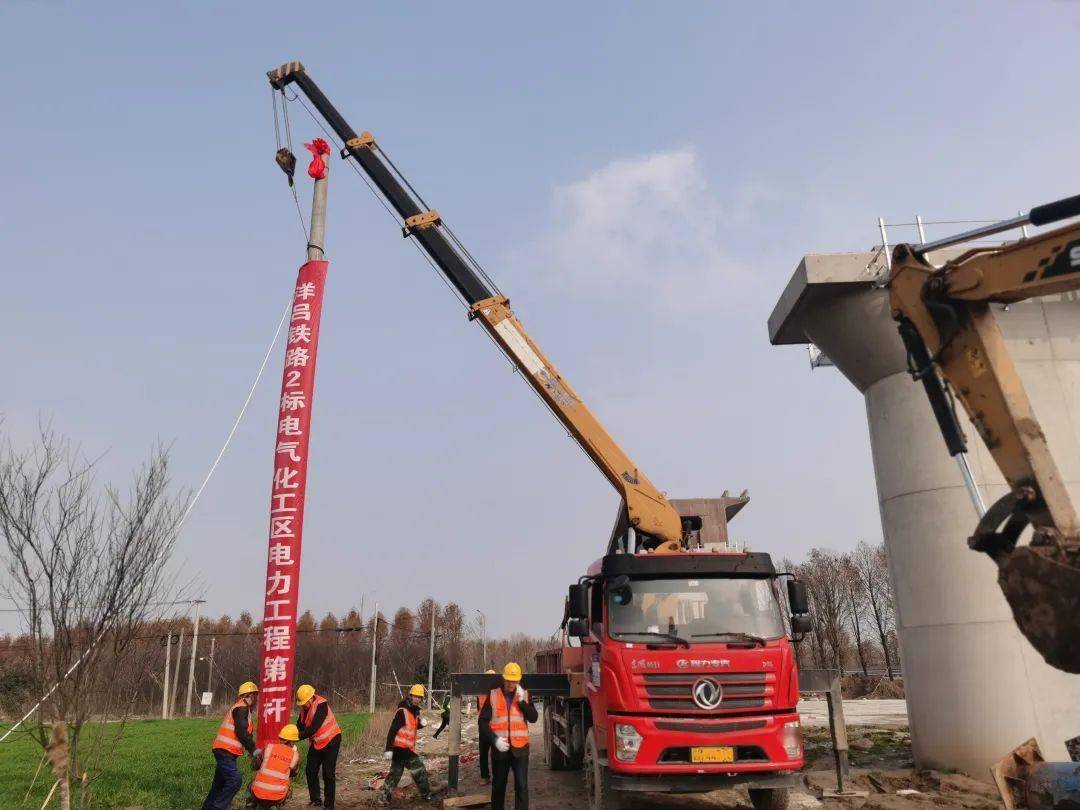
x=844, y=794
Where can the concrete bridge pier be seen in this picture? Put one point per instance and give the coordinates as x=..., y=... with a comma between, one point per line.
x=975, y=687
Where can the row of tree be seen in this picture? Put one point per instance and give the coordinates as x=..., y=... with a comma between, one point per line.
x=851, y=603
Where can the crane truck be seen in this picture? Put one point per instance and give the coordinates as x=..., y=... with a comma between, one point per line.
x=955, y=348
x=683, y=677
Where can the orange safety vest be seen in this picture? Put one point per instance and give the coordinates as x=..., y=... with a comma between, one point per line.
x=481, y=702
x=226, y=739
x=271, y=783
x=406, y=736
x=507, y=720
x=329, y=728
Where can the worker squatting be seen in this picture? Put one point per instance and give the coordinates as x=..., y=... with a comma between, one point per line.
x=505, y=714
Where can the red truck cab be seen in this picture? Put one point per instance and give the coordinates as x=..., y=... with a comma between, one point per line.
x=683, y=679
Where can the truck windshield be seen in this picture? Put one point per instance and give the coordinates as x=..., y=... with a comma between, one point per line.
x=699, y=610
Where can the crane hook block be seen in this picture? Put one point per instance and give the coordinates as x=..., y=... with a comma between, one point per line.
x=421, y=222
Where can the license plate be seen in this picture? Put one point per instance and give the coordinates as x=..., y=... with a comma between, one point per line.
x=723, y=753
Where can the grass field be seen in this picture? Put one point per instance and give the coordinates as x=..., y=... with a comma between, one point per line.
x=156, y=764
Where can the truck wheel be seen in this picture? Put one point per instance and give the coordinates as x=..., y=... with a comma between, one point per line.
x=769, y=798
x=597, y=783
x=556, y=759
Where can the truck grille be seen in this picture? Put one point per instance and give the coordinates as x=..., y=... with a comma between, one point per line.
x=674, y=692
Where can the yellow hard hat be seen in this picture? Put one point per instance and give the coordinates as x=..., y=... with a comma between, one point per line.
x=289, y=732
x=305, y=693
x=246, y=688
x=417, y=690
x=512, y=672
x=489, y=672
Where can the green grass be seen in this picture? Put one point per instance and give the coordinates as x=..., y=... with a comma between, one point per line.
x=155, y=764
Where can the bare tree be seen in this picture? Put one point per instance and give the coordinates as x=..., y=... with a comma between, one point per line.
x=823, y=574
x=870, y=564
x=85, y=566
x=855, y=597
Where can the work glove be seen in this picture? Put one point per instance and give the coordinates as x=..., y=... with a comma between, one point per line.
x=388, y=755
x=501, y=745
x=423, y=723
x=519, y=693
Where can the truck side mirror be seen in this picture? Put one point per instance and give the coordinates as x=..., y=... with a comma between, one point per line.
x=578, y=628
x=796, y=595
x=578, y=601
x=801, y=624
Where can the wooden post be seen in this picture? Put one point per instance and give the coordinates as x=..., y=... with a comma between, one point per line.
x=454, y=746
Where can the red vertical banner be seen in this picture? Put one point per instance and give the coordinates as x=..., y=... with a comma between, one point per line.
x=287, y=502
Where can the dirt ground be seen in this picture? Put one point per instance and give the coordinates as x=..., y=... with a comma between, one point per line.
x=880, y=759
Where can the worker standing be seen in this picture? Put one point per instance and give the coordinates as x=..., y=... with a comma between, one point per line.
x=444, y=719
x=505, y=720
x=485, y=743
x=233, y=738
x=278, y=764
x=317, y=723
x=401, y=748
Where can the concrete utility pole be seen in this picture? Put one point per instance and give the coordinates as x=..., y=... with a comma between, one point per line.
x=374, y=641
x=431, y=657
x=176, y=674
x=210, y=669
x=191, y=665
x=165, y=680
x=483, y=637
x=317, y=239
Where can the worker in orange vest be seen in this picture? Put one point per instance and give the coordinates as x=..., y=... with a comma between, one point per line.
x=504, y=720
x=233, y=738
x=317, y=723
x=401, y=748
x=485, y=743
x=278, y=763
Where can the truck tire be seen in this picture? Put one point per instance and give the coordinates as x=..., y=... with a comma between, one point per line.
x=769, y=798
x=598, y=791
x=556, y=759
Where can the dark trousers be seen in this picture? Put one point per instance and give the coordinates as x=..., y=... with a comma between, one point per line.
x=326, y=760
x=444, y=724
x=485, y=757
x=226, y=784
x=501, y=765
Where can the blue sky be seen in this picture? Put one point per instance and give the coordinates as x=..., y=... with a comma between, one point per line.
x=640, y=179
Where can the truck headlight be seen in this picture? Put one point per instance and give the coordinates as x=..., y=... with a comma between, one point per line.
x=627, y=742
x=791, y=739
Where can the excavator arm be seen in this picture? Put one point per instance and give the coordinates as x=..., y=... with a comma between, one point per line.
x=956, y=348
x=656, y=522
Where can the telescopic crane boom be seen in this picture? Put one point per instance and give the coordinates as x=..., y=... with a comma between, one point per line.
x=656, y=522
x=955, y=346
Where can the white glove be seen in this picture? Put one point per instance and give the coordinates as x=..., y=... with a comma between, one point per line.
x=501, y=745
x=388, y=755
x=519, y=693
x=423, y=723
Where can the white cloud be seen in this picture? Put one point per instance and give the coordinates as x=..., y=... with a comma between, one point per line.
x=648, y=227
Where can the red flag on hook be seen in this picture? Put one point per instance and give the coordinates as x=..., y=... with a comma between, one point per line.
x=317, y=169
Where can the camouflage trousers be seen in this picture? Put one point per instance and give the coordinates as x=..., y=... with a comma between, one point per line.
x=416, y=770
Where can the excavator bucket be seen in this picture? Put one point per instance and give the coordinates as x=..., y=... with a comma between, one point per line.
x=1043, y=589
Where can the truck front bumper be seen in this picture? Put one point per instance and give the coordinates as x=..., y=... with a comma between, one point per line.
x=667, y=742
x=701, y=782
